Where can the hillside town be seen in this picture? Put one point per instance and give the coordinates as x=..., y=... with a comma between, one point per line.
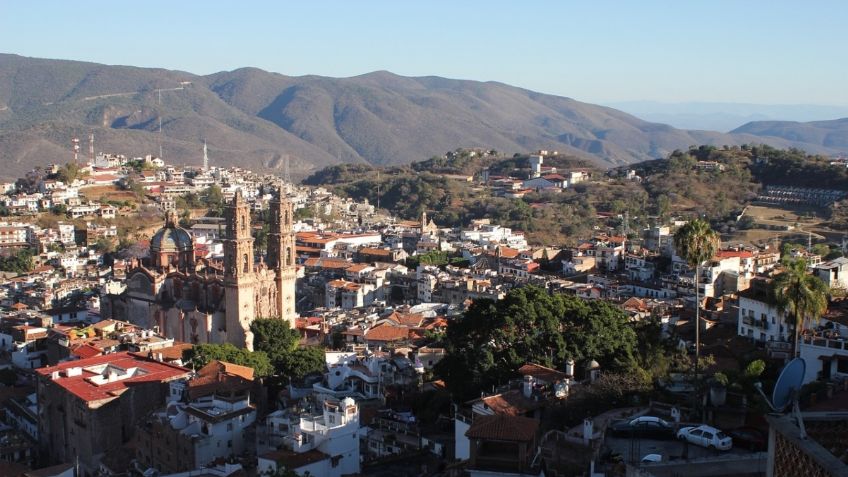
x=132, y=289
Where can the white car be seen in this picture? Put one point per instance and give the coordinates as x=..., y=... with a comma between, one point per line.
x=705, y=436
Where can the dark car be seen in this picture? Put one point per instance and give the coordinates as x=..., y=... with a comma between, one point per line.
x=749, y=438
x=645, y=426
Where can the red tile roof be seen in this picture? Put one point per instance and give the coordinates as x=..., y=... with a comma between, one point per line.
x=82, y=387
x=387, y=333
x=541, y=372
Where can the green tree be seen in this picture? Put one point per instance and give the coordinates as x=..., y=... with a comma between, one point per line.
x=273, y=336
x=280, y=342
x=213, y=197
x=802, y=295
x=696, y=243
x=17, y=262
x=200, y=355
x=488, y=344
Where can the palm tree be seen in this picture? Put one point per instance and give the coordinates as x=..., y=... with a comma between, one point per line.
x=803, y=295
x=696, y=243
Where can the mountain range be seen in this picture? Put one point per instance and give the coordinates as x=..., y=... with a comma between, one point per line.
x=264, y=121
x=726, y=116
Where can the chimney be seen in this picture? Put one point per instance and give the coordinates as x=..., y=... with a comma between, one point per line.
x=528, y=386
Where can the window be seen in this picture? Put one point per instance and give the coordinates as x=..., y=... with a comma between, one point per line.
x=696, y=433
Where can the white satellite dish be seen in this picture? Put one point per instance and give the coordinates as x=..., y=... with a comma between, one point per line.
x=786, y=390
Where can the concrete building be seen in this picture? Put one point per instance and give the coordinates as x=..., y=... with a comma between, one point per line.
x=326, y=444
x=834, y=272
x=759, y=318
x=89, y=407
x=206, y=419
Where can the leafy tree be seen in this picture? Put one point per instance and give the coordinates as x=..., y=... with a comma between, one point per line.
x=696, y=243
x=104, y=245
x=17, y=262
x=301, y=361
x=70, y=172
x=280, y=343
x=803, y=295
x=273, y=336
x=59, y=209
x=201, y=355
x=488, y=344
x=213, y=197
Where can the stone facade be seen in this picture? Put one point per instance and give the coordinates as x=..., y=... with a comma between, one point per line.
x=204, y=302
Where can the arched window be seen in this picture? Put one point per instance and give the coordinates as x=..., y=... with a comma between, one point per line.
x=243, y=222
x=287, y=219
x=288, y=256
x=246, y=267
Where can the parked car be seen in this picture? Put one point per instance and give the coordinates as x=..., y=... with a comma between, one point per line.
x=705, y=436
x=644, y=426
x=749, y=438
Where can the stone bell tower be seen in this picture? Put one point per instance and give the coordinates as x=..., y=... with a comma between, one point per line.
x=281, y=255
x=239, y=276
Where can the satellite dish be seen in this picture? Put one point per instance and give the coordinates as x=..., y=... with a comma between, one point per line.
x=786, y=391
x=788, y=383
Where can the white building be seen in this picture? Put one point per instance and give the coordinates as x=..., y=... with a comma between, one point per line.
x=834, y=272
x=759, y=318
x=326, y=444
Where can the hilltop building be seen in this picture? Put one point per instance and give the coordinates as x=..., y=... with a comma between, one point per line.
x=198, y=302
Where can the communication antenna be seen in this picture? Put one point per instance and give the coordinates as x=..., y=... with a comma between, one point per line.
x=160, y=122
x=786, y=391
x=91, y=147
x=75, y=143
x=378, y=190
x=286, y=174
x=205, y=156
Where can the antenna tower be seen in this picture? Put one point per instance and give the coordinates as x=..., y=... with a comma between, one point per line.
x=91, y=147
x=378, y=190
x=75, y=143
x=286, y=173
x=160, y=122
x=205, y=157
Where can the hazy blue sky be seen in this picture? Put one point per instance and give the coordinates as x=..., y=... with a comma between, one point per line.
x=600, y=51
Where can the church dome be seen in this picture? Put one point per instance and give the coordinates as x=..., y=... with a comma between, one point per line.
x=171, y=237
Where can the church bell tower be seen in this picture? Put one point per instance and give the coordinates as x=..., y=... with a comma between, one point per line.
x=239, y=276
x=281, y=255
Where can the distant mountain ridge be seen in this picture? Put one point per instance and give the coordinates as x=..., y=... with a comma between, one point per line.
x=261, y=120
x=831, y=134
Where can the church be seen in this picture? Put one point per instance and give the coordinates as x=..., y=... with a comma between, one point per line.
x=204, y=301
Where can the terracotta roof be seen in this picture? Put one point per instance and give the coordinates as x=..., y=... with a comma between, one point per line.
x=82, y=386
x=87, y=351
x=511, y=402
x=541, y=372
x=387, y=333
x=734, y=253
x=378, y=252
x=503, y=428
x=173, y=353
x=217, y=376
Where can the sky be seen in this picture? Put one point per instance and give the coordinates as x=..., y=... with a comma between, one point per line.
x=751, y=51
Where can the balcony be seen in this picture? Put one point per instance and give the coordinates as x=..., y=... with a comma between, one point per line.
x=751, y=321
x=839, y=344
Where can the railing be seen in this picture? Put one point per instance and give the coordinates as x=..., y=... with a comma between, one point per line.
x=837, y=344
